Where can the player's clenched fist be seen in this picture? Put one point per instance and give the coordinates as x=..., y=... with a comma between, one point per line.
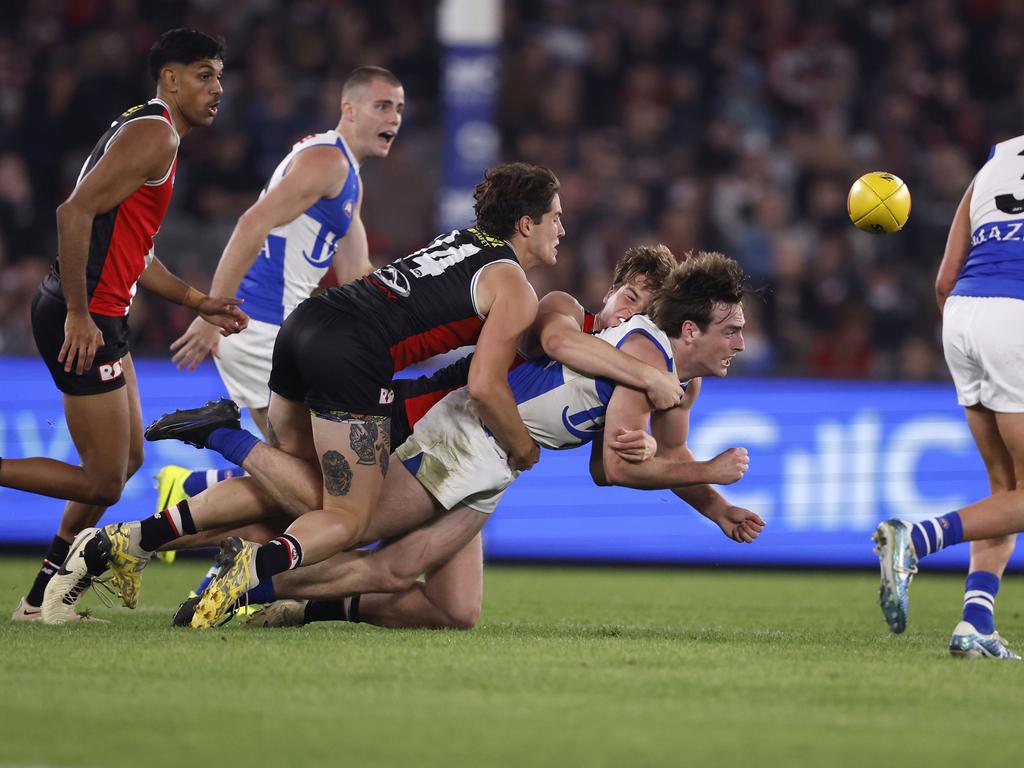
x=729, y=466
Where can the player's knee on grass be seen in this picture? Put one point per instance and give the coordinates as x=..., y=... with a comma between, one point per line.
x=457, y=611
x=463, y=616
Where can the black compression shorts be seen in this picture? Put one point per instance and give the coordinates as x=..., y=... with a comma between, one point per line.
x=332, y=361
x=106, y=373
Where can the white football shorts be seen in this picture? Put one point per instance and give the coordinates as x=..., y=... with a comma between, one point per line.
x=245, y=362
x=984, y=348
x=459, y=462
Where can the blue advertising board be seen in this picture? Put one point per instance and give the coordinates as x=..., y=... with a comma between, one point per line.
x=828, y=460
x=471, y=139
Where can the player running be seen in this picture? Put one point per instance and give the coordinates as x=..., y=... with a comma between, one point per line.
x=80, y=315
x=980, y=290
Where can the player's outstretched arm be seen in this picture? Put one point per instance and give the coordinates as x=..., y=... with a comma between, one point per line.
x=958, y=243
x=560, y=336
x=141, y=151
x=510, y=305
x=629, y=409
x=737, y=523
x=314, y=173
x=673, y=428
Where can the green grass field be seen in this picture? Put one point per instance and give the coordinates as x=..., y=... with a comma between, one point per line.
x=577, y=667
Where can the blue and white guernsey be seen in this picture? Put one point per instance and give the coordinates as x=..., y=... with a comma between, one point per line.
x=995, y=262
x=563, y=408
x=296, y=255
x=458, y=461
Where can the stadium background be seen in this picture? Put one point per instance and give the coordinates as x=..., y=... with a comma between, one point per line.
x=729, y=125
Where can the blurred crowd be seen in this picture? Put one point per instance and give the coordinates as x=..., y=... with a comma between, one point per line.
x=735, y=125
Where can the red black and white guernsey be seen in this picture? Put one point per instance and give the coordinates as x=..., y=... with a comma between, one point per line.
x=425, y=303
x=338, y=352
x=121, y=242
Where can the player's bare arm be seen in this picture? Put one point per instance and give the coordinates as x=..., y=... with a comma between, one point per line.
x=958, y=244
x=315, y=173
x=142, y=151
x=352, y=260
x=221, y=312
x=631, y=444
x=557, y=303
x=630, y=409
x=510, y=304
x=559, y=332
x=672, y=427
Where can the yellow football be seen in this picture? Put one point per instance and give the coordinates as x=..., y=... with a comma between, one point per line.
x=879, y=203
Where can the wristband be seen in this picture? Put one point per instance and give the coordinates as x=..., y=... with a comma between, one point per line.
x=193, y=298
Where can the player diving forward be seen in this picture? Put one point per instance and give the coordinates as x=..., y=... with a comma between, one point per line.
x=636, y=274
x=561, y=330
x=451, y=472
x=454, y=463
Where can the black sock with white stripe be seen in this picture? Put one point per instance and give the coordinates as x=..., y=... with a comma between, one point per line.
x=277, y=556
x=164, y=527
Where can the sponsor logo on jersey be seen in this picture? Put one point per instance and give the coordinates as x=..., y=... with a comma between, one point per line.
x=485, y=239
x=132, y=110
x=394, y=280
x=325, y=245
x=387, y=396
x=1003, y=231
x=595, y=416
x=111, y=371
x=348, y=208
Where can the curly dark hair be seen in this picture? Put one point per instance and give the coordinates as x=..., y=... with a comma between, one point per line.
x=651, y=264
x=695, y=287
x=183, y=46
x=511, y=191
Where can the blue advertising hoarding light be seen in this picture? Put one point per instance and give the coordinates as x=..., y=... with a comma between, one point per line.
x=828, y=460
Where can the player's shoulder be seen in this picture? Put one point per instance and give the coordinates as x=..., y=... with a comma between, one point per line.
x=153, y=117
x=1008, y=147
x=642, y=328
x=145, y=129
x=561, y=302
x=641, y=324
x=325, y=138
x=152, y=108
x=324, y=148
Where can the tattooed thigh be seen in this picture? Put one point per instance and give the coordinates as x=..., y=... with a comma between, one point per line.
x=337, y=473
x=363, y=438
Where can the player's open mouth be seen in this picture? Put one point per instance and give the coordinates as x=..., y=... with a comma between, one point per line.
x=213, y=108
x=387, y=136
